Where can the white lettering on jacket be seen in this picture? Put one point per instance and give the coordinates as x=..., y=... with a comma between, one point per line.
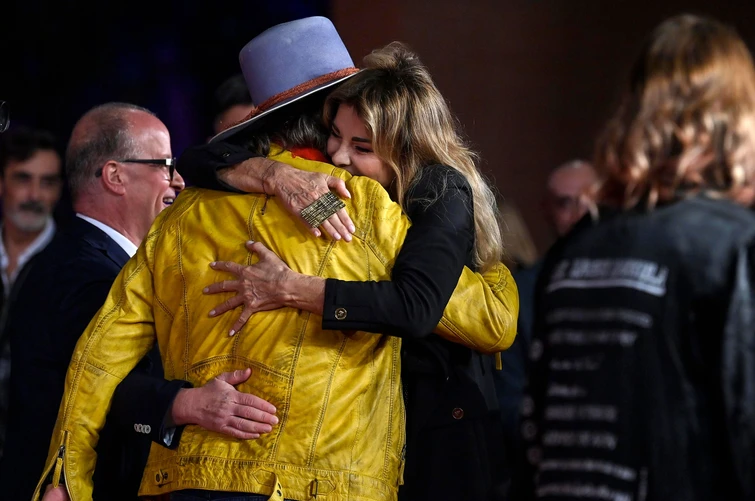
x=583, y=273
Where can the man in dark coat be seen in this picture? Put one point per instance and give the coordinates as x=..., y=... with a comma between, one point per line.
x=30, y=186
x=122, y=176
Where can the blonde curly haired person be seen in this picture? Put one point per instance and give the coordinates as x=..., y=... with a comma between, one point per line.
x=644, y=350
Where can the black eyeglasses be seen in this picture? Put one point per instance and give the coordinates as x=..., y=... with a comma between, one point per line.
x=170, y=163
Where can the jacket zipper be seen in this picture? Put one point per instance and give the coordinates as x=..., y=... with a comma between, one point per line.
x=264, y=206
x=58, y=466
x=57, y=472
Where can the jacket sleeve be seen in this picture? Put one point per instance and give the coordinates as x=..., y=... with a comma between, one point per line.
x=482, y=312
x=116, y=339
x=424, y=274
x=199, y=164
x=142, y=397
x=145, y=399
x=738, y=372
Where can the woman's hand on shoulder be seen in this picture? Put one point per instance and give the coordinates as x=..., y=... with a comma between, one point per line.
x=297, y=189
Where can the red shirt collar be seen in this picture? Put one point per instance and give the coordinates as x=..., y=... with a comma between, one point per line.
x=308, y=154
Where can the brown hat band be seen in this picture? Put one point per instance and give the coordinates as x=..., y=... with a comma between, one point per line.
x=302, y=88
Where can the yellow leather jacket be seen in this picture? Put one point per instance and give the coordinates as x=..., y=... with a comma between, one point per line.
x=338, y=394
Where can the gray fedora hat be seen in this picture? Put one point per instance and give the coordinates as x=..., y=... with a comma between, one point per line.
x=289, y=62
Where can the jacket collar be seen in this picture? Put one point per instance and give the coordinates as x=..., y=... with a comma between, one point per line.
x=309, y=154
x=99, y=240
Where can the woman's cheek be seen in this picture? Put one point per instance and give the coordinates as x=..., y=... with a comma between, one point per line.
x=332, y=145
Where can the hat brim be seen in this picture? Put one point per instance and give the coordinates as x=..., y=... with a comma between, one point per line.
x=258, y=119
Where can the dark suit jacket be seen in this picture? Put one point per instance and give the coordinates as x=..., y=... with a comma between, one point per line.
x=66, y=285
x=5, y=361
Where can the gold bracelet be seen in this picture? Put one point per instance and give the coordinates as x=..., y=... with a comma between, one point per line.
x=321, y=209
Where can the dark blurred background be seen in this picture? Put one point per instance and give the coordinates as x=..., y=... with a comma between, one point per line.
x=532, y=81
x=61, y=58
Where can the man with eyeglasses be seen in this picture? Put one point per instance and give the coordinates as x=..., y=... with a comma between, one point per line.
x=122, y=175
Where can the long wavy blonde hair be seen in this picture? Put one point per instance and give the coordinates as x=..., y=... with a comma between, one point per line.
x=687, y=121
x=412, y=129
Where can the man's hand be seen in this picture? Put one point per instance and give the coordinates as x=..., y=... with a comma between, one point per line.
x=218, y=406
x=57, y=494
x=295, y=189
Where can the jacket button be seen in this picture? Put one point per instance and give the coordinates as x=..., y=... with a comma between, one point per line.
x=340, y=313
x=226, y=155
x=142, y=428
x=457, y=413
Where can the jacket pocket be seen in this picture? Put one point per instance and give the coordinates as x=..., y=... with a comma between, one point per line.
x=264, y=383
